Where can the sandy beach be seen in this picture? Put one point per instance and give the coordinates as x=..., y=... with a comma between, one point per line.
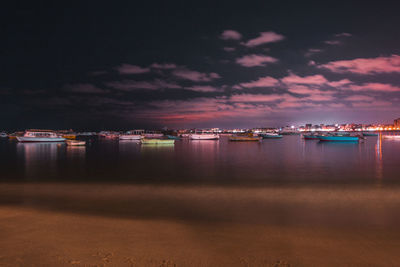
x=130, y=225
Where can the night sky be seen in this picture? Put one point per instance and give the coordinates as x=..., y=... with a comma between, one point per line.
x=151, y=64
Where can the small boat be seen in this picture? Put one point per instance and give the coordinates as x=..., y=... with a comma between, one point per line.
x=271, y=135
x=204, y=136
x=155, y=141
x=153, y=135
x=244, y=138
x=130, y=137
x=173, y=137
x=394, y=137
x=3, y=135
x=310, y=137
x=370, y=134
x=75, y=143
x=338, y=138
x=40, y=136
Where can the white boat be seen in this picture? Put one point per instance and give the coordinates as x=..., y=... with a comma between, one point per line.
x=3, y=135
x=397, y=137
x=75, y=143
x=129, y=137
x=40, y=136
x=204, y=136
x=153, y=135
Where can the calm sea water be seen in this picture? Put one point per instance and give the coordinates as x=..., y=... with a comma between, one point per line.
x=279, y=161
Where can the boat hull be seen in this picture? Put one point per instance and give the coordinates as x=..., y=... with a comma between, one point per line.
x=129, y=137
x=158, y=141
x=370, y=134
x=310, y=137
x=396, y=137
x=204, y=137
x=244, y=139
x=39, y=139
x=338, y=138
x=268, y=136
x=75, y=143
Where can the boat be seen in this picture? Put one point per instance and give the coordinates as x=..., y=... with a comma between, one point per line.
x=244, y=138
x=130, y=137
x=153, y=135
x=310, y=137
x=69, y=136
x=204, y=136
x=75, y=143
x=395, y=137
x=173, y=137
x=338, y=138
x=270, y=135
x=156, y=141
x=3, y=135
x=370, y=134
x=40, y=136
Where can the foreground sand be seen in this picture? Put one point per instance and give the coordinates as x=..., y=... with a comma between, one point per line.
x=119, y=225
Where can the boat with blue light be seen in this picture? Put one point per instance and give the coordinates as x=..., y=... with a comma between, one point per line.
x=338, y=138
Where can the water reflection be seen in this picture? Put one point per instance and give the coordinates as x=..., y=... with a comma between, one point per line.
x=78, y=152
x=39, y=158
x=378, y=156
x=151, y=148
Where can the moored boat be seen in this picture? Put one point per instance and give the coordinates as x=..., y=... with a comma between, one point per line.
x=395, y=137
x=338, y=138
x=310, y=137
x=244, y=138
x=129, y=137
x=271, y=135
x=40, y=136
x=69, y=136
x=156, y=141
x=204, y=136
x=173, y=137
x=370, y=134
x=3, y=135
x=75, y=142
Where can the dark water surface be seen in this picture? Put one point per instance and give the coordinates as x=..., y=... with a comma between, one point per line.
x=283, y=161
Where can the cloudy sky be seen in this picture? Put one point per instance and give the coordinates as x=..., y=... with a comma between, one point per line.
x=182, y=64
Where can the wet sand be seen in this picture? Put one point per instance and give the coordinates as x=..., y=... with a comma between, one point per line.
x=129, y=225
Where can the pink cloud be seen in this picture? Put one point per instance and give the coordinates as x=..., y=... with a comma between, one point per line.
x=356, y=98
x=313, y=51
x=320, y=97
x=230, y=35
x=372, y=104
x=261, y=82
x=195, y=75
x=131, y=69
x=343, y=34
x=301, y=89
x=339, y=83
x=128, y=85
x=163, y=66
x=85, y=88
x=333, y=42
x=264, y=38
x=255, y=60
x=229, y=49
x=259, y=97
x=380, y=87
x=296, y=104
x=312, y=79
x=204, y=88
x=365, y=65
